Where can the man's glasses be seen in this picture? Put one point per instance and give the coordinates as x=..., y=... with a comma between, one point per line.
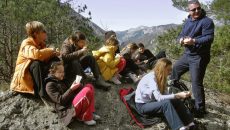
x=198, y=9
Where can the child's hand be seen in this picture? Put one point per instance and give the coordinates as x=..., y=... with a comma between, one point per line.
x=138, y=61
x=183, y=95
x=118, y=56
x=189, y=41
x=145, y=61
x=84, y=50
x=75, y=86
x=188, y=93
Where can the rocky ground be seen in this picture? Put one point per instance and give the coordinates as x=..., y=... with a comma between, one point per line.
x=24, y=112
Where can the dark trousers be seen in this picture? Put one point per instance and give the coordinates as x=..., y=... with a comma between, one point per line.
x=152, y=61
x=90, y=61
x=72, y=68
x=39, y=71
x=161, y=54
x=76, y=67
x=130, y=67
x=176, y=114
x=196, y=65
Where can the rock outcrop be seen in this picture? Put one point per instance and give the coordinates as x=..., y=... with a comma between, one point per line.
x=24, y=112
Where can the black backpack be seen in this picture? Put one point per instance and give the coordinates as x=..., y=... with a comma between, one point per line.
x=178, y=86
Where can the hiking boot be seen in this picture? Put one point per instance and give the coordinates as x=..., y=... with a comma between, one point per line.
x=91, y=122
x=199, y=113
x=194, y=127
x=102, y=84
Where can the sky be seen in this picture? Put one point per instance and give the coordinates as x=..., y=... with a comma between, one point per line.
x=120, y=15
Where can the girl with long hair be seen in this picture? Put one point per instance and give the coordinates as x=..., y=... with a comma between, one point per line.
x=151, y=97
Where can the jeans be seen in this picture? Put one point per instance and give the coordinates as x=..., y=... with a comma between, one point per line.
x=176, y=114
x=39, y=71
x=196, y=65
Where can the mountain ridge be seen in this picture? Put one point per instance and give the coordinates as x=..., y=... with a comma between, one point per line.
x=143, y=34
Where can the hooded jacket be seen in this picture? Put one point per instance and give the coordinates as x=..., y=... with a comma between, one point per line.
x=107, y=61
x=28, y=52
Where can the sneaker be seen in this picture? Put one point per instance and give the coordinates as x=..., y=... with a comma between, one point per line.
x=119, y=76
x=91, y=122
x=115, y=80
x=96, y=117
x=133, y=77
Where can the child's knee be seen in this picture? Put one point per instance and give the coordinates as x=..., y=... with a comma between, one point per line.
x=89, y=86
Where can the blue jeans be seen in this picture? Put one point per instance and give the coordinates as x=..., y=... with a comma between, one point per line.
x=196, y=65
x=176, y=114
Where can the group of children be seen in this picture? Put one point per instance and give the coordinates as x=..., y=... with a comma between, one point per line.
x=127, y=62
x=46, y=72
x=38, y=71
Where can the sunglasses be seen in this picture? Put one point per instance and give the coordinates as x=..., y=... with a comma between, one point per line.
x=195, y=9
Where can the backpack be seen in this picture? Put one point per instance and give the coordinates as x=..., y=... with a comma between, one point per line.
x=179, y=86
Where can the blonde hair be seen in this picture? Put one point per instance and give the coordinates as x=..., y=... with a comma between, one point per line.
x=131, y=46
x=112, y=41
x=33, y=27
x=159, y=69
x=54, y=66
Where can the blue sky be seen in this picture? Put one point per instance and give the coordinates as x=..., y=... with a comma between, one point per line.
x=120, y=15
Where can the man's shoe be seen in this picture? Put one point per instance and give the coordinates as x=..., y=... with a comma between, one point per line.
x=199, y=113
x=194, y=127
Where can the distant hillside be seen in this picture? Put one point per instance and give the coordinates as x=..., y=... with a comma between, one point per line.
x=96, y=29
x=59, y=19
x=142, y=34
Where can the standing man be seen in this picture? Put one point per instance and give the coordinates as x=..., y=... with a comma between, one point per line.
x=196, y=36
